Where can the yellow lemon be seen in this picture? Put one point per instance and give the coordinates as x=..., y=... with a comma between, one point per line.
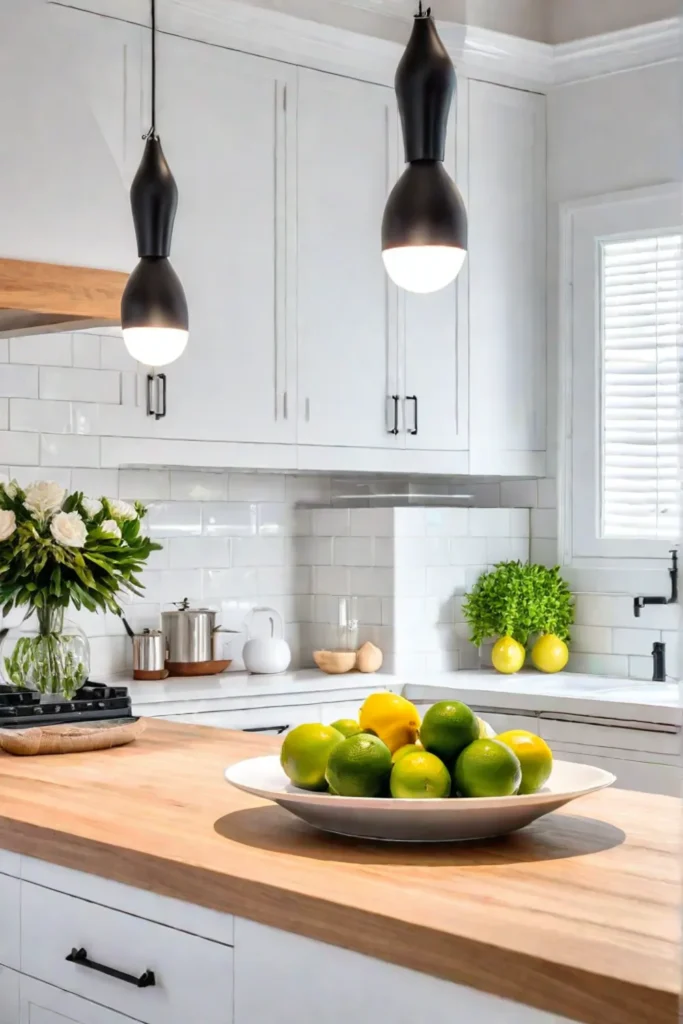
x=393, y=718
x=409, y=748
x=486, y=731
x=535, y=757
x=550, y=654
x=507, y=655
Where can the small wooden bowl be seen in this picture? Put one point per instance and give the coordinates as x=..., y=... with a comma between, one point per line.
x=335, y=663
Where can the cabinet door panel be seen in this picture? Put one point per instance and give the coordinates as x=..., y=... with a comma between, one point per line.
x=506, y=269
x=43, y=1004
x=435, y=353
x=222, y=123
x=347, y=309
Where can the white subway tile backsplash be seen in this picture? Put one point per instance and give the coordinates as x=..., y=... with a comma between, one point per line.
x=80, y=385
x=410, y=579
x=229, y=519
x=42, y=349
x=198, y=486
x=26, y=475
x=640, y=667
x=547, y=493
x=447, y=522
x=19, y=449
x=330, y=522
x=85, y=418
x=96, y=483
x=370, y=611
x=258, y=551
x=220, y=583
x=599, y=664
x=520, y=522
x=86, y=351
x=313, y=550
x=4, y=413
x=544, y=552
x=174, y=519
x=145, y=484
x=411, y=551
x=129, y=389
x=383, y=551
x=506, y=549
x=275, y=519
x=617, y=610
x=519, y=493
x=4, y=350
x=446, y=581
x=69, y=450
x=332, y=579
x=543, y=523
x=372, y=522
x=410, y=522
x=307, y=489
x=468, y=551
x=371, y=581
x=113, y=354
x=284, y=579
x=34, y=415
x=256, y=487
x=353, y=551
x=19, y=381
x=592, y=640
x=489, y=522
x=635, y=641
x=199, y=552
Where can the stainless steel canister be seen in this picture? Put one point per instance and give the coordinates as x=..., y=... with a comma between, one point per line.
x=189, y=634
x=149, y=654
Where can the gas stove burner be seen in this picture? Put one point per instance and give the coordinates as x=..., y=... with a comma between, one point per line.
x=21, y=709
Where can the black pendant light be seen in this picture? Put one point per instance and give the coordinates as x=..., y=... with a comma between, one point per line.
x=154, y=313
x=424, y=230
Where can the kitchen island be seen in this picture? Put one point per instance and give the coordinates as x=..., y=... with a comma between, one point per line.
x=575, y=918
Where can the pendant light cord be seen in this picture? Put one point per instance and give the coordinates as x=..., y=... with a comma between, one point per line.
x=421, y=13
x=152, y=133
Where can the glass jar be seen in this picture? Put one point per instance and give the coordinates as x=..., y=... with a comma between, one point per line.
x=47, y=654
x=346, y=638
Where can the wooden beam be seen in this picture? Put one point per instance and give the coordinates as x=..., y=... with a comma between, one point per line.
x=48, y=295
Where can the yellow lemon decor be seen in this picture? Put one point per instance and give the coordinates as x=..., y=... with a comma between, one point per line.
x=393, y=718
x=507, y=655
x=549, y=653
x=535, y=757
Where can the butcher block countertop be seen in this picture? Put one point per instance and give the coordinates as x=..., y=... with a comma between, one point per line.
x=577, y=915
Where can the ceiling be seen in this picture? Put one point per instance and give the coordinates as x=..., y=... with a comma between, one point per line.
x=550, y=21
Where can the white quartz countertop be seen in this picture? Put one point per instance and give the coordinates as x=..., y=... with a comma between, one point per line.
x=566, y=693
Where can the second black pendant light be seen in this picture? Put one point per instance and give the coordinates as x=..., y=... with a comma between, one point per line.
x=424, y=229
x=154, y=312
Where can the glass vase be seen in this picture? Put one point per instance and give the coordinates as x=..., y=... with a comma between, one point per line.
x=47, y=654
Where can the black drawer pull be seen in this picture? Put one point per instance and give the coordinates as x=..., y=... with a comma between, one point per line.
x=80, y=957
x=413, y=398
x=279, y=729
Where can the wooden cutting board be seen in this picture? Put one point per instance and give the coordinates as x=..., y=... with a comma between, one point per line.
x=71, y=738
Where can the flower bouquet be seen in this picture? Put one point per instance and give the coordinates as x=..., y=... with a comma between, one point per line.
x=59, y=549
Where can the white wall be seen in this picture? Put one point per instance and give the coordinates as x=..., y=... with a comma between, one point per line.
x=608, y=134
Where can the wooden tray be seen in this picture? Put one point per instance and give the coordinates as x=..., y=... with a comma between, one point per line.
x=199, y=668
x=71, y=739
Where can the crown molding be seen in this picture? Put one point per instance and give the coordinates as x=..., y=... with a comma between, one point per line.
x=476, y=52
x=625, y=50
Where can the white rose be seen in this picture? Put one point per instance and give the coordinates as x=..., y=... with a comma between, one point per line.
x=91, y=506
x=68, y=529
x=11, y=489
x=44, y=498
x=121, y=509
x=8, y=524
x=111, y=528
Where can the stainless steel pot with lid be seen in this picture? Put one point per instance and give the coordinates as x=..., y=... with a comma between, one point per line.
x=190, y=634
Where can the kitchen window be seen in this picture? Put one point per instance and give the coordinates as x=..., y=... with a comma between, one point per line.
x=622, y=339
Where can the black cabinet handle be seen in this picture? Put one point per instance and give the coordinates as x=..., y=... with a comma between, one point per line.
x=161, y=391
x=413, y=398
x=394, y=399
x=156, y=395
x=279, y=729
x=80, y=957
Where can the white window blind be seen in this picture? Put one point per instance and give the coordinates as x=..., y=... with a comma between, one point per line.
x=640, y=314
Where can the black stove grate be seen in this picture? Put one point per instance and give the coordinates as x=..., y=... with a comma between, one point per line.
x=22, y=709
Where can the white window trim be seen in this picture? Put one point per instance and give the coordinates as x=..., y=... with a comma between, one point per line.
x=612, y=553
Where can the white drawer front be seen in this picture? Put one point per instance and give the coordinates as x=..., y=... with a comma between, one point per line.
x=616, y=737
x=193, y=975
x=9, y=921
x=638, y=775
x=266, y=720
x=43, y=1004
x=9, y=996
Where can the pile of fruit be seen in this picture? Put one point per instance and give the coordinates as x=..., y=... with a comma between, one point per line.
x=390, y=752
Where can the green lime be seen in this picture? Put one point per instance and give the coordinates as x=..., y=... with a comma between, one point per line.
x=447, y=728
x=359, y=766
x=347, y=727
x=420, y=776
x=305, y=752
x=487, y=768
x=408, y=748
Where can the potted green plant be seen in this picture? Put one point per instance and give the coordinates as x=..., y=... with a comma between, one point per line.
x=518, y=601
x=56, y=550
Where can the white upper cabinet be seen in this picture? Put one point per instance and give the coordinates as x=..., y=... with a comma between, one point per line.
x=506, y=152
x=66, y=80
x=347, y=159
x=434, y=351
x=223, y=125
